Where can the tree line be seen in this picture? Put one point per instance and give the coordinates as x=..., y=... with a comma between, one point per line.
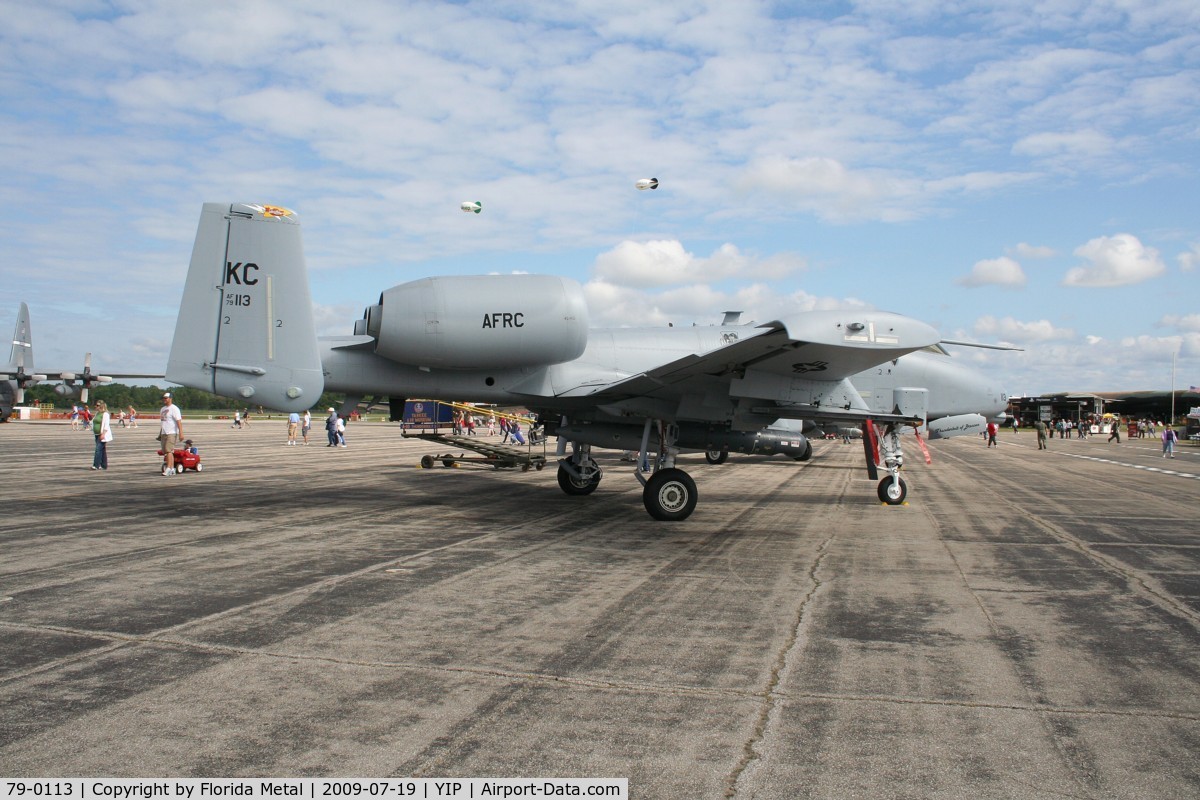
x=119, y=396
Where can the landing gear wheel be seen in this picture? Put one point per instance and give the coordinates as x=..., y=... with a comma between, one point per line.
x=670, y=494
x=892, y=492
x=199, y=467
x=426, y=462
x=571, y=485
x=716, y=456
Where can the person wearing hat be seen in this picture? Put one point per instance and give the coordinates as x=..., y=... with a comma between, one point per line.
x=331, y=428
x=171, y=430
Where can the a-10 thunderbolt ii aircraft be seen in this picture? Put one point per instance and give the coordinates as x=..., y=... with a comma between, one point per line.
x=245, y=330
x=19, y=374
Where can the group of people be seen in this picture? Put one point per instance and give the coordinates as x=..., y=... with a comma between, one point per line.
x=510, y=428
x=298, y=427
x=170, y=431
x=463, y=424
x=1063, y=427
x=82, y=416
x=335, y=427
x=1143, y=428
x=298, y=424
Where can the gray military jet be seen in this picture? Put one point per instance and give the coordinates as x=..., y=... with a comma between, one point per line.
x=245, y=330
x=19, y=374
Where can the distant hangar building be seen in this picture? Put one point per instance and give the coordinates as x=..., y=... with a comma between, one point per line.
x=1082, y=405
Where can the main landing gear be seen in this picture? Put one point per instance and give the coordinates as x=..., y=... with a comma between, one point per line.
x=668, y=494
x=892, y=489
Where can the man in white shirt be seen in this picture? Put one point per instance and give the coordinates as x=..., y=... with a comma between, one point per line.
x=171, y=431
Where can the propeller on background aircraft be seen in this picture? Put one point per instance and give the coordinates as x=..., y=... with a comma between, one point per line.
x=87, y=379
x=22, y=378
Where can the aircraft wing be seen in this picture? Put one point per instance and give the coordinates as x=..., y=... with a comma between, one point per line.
x=67, y=375
x=818, y=346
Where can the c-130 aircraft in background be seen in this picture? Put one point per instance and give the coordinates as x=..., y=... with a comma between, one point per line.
x=19, y=374
x=246, y=330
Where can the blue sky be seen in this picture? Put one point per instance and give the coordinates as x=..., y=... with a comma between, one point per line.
x=1017, y=172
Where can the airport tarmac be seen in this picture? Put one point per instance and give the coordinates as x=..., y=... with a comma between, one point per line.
x=1028, y=626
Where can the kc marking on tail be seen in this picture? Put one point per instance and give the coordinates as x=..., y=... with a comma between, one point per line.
x=232, y=274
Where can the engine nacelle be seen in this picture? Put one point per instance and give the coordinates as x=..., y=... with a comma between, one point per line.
x=481, y=321
x=958, y=425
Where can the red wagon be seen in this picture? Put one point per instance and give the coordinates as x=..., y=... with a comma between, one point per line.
x=186, y=457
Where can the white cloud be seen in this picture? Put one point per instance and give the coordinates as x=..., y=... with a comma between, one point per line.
x=1012, y=330
x=1191, y=322
x=1025, y=250
x=1001, y=271
x=666, y=263
x=979, y=182
x=611, y=304
x=1119, y=260
x=336, y=320
x=765, y=122
x=1080, y=144
x=1186, y=345
x=827, y=188
x=1189, y=260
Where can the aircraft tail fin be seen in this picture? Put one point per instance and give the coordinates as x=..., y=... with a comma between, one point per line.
x=245, y=326
x=21, y=355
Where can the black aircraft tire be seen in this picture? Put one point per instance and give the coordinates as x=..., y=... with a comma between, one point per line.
x=892, y=493
x=807, y=454
x=570, y=486
x=716, y=456
x=670, y=495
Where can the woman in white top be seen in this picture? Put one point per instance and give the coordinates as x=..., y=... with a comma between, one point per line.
x=103, y=432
